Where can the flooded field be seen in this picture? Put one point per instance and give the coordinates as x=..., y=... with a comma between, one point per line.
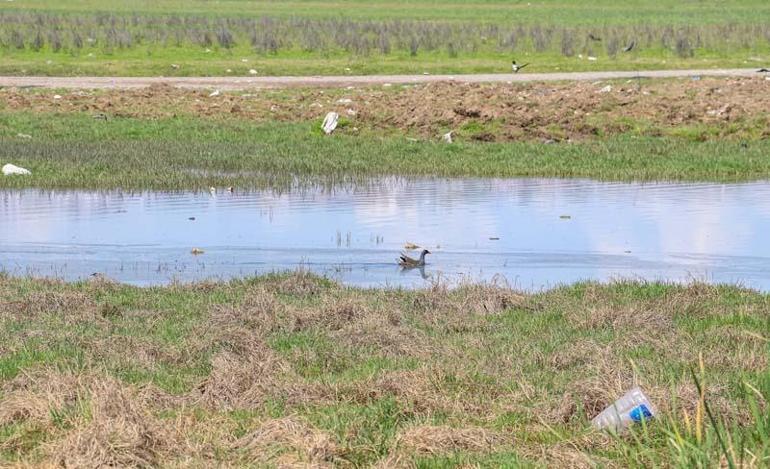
x=530, y=233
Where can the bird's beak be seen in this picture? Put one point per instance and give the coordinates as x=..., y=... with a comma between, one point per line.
x=427, y=252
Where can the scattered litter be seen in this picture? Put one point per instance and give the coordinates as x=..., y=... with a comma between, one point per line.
x=695, y=78
x=592, y=58
x=349, y=88
x=208, y=51
x=252, y=72
x=565, y=217
x=410, y=139
x=48, y=62
x=447, y=137
x=344, y=101
x=330, y=122
x=27, y=136
x=632, y=407
x=387, y=85
x=244, y=60
x=229, y=70
x=57, y=96
x=174, y=66
x=580, y=56
x=606, y=89
x=351, y=112
x=196, y=251
x=411, y=246
x=548, y=141
x=347, y=69
x=425, y=73
x=214, y=93
x=10, y=170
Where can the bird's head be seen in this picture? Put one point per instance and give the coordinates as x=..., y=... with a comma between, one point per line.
x=425, y=251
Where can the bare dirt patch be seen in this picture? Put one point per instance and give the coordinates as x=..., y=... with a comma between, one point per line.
x=544, y=112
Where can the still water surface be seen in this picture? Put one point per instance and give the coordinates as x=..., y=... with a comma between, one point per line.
x=531, y=233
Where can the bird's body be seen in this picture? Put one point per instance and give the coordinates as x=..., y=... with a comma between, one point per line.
x=763, y=70
x=516, y=67
x=406, y=261
x=630, y=46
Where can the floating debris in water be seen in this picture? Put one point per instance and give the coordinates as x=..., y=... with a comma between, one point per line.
x=196, y=251
x=494, y=238
x=411, y=246
x=565, y=217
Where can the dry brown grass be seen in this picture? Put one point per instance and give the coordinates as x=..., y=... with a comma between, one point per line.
x=247, y=378
x=477, y=357
x=434, y=440
x=289, y=441
x=92, y=420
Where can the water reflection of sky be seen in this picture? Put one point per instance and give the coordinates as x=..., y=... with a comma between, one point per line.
x=713, y=232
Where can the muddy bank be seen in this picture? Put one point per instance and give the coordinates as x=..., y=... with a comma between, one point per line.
x=703, y=109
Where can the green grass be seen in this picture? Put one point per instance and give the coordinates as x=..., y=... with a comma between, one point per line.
x=76, y=151
x=293, y=367
x=567, y=12
x=357, y=37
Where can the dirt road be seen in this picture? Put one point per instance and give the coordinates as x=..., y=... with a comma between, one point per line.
x=237, y=83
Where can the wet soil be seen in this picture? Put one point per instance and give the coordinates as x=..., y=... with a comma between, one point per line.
x=702, y=109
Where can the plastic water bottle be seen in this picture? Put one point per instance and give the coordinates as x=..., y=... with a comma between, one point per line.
x=632, y=407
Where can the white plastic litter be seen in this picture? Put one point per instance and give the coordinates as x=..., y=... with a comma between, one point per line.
x=57, y=96
x=447, y=137
x=631, y=408
x=330, y=122
x=606, y=89
x=10, y=170
x=344, y=101
x=214, y=93
x=592, y=59
x=27, y=136
x=252, y=72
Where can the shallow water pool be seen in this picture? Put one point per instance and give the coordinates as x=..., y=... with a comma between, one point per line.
x=530, y=233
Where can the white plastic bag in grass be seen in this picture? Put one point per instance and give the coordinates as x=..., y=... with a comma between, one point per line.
x=10, y=170
x=447, y=137
x=330, y=122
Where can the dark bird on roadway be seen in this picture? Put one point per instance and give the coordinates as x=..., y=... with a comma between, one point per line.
x=516, y=67
x=594, y=38
x=763, y=70
x=630, y=46
x=408, y=262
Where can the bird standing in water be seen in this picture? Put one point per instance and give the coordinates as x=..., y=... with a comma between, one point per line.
x=516, y=67
x=408, y=262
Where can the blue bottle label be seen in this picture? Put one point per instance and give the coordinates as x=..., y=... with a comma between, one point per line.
x=640, y=413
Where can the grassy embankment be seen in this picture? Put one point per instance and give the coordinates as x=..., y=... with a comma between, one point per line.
x=77, y=151
x=296, y=369
x=316, y=37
